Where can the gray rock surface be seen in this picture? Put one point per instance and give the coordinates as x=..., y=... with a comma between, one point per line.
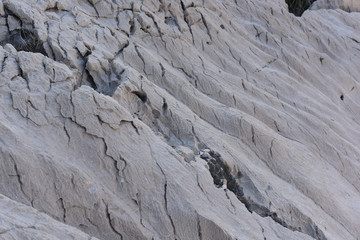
x=178, y=120
x=347, y=5
x=19, y=221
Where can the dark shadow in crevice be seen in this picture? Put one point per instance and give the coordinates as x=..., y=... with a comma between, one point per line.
x=224, y=177
x=298, y=7
x=86, y=78
x=90, y=80
x=140, y=94
x=25, y=40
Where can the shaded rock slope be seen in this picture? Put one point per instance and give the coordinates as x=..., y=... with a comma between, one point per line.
x=184, y=120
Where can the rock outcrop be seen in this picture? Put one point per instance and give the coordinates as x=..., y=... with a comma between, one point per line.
x=178, y=120
x=347, y=5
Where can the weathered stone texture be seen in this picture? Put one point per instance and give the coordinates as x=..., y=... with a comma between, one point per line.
x=179, y=120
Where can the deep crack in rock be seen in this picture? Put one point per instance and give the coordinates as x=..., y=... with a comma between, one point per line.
x=298, y=7
x=25, y=40
x=224, y=178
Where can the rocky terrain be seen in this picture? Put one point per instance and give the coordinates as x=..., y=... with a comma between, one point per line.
x=186, y=119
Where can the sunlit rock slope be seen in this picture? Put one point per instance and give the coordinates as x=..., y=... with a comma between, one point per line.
x=185, y=120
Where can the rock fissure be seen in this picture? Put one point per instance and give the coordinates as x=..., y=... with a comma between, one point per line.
x=199, y=226
x=232, y=205
x=67, y=135
x=61, y=201
x=271, y=146
x=166, y=207
x=298, y=7
x=110, y=221
x=141, y=58
x=119, y=173
x=19, y=179
x=26, y=40
x=185, y=14
x=223, y=178
x=207, y=27
x=94, y=6
x=138, y=203
x=165, y=198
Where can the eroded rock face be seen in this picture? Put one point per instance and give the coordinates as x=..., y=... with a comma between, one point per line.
x=178, y=120
x=347, y=5
x=19, y=221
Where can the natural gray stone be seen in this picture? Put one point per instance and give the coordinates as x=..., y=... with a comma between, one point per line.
x=347, y=5
x=19, y=221
x=179, y=120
